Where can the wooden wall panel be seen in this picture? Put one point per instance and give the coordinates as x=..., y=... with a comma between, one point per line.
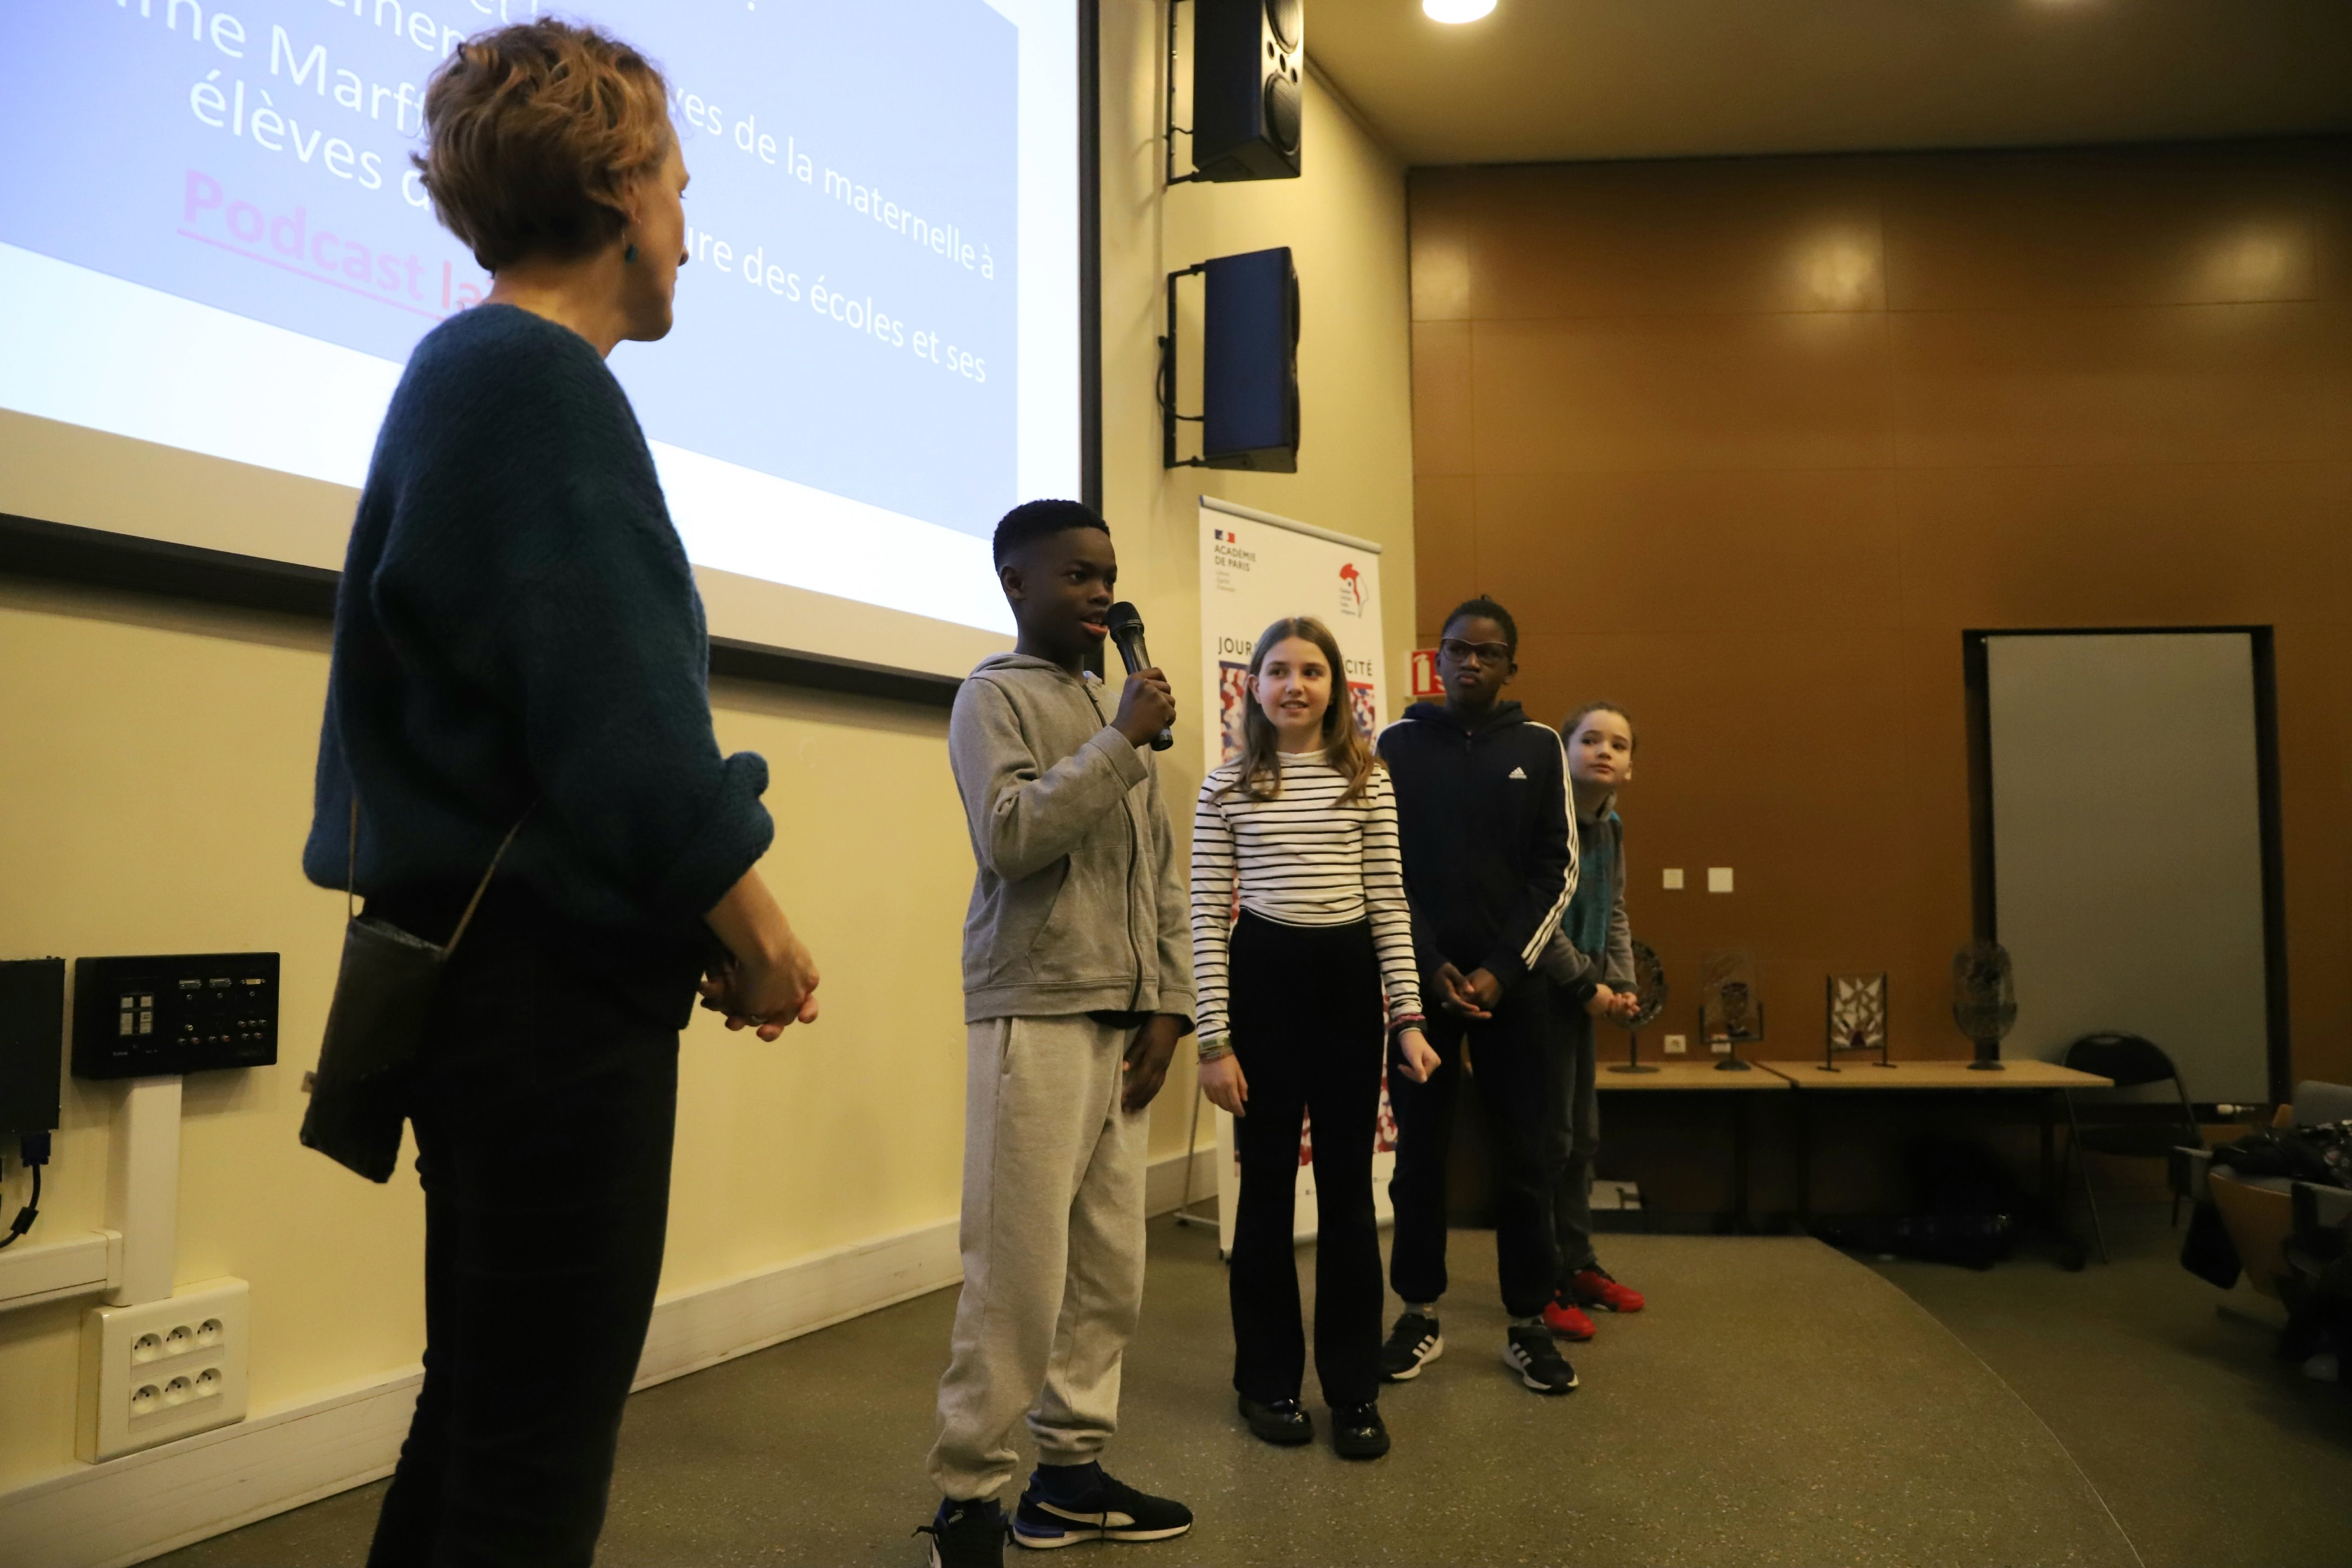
x=2103, y=229
x=2133, y=386
x=1748, y=444
x=1441, y=402
x=1781, y=390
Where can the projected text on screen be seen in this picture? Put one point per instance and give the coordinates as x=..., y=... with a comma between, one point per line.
x=849, y=322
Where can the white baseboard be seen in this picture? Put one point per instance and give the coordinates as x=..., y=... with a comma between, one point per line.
x=129, y=1509
x=718, y=1322
x=1163, y=1184
x=142, y=1505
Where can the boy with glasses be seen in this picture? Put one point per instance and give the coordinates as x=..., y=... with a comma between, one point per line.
x=1489, y=846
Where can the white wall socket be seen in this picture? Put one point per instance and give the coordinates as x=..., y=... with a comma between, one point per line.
x=1677, y=1045
x=164, y=1369
x=1609, y=1194
x=1718, y=879
x=1673, y=878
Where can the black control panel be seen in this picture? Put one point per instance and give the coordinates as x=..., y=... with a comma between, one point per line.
x=147, y=1017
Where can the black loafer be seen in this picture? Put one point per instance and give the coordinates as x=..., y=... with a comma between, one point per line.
x=1285, y=1421
x=1357, y=1432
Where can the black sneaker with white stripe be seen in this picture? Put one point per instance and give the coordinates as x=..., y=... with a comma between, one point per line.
x=1412, y=1344
x=1531, y=1353
x=1089, y=1505
x=967, y=1534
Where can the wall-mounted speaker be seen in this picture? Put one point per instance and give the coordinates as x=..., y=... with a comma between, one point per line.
x=1249, y=364
x=1249, y=61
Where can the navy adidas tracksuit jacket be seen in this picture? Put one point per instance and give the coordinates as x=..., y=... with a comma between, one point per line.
x=1488, y=834
x=1489, y=849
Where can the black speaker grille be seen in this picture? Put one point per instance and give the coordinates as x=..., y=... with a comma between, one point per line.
x=1285, y=16
x=1282, y=99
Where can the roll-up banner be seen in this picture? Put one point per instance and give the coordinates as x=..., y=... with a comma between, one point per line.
x=1257, y=569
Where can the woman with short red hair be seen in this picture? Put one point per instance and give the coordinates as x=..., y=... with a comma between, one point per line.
x=517, y=641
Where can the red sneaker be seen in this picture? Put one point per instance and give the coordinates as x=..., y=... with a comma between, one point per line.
x=1594, y=1288
x=1567, y=1319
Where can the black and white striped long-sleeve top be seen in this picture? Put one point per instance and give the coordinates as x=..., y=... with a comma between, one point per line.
x=1301, y=859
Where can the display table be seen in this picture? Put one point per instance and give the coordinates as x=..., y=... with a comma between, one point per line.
x=1687, y=1075
x=1860, y=1072
x=2044, y=1081
x=1690, y=1078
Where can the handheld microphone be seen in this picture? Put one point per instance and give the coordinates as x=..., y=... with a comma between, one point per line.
x=1127, y=631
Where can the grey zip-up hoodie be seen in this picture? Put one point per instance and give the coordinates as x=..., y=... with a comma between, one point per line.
x=1078, y=906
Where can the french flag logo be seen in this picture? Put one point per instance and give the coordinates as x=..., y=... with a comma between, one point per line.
x=1224, y=537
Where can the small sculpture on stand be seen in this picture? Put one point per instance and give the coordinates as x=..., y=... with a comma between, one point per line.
x=1728, y=1010
x=1650, y=998
x=1857, y=1018
x=1984, y=999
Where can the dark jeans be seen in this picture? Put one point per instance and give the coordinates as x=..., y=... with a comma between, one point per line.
x=543, y=1127
x=1573, y=1138
x=1310, y=1033
x=1511, y=1059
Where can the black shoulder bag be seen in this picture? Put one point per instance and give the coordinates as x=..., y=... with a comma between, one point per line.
x=375, y=1027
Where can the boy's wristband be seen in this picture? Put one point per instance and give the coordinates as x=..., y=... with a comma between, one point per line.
x=1210, y=1050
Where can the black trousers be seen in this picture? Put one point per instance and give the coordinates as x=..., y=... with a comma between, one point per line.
x=543, y=1126
x=1573, y=1139
x=1511, y=1063
x=1310, y=1035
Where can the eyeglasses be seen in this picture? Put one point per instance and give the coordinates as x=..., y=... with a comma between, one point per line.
x=1487, y=652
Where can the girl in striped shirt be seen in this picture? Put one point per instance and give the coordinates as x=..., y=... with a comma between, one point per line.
x=1302, y=825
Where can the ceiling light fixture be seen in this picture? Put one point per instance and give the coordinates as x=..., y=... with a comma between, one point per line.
x=1455, y=10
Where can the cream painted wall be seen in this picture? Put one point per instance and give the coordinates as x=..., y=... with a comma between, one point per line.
x=155, y=777
x=1344, y=220
x=154, y=793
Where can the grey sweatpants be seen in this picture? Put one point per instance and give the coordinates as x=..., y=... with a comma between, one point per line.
x=1572, y=1136
x=1052, y=1249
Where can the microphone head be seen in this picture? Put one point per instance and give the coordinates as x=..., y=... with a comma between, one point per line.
x=1124, y=619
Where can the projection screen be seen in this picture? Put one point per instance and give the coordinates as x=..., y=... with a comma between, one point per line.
x=216, y=257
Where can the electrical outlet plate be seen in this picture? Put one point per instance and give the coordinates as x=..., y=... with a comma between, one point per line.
x=1673, y=876
x=1677, y=1045
x=1609, y=1194
x=1718, y=879
x=164, y=1369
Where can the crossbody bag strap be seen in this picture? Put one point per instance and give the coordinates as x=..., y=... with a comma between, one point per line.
x=351, y=873
x=484, y=885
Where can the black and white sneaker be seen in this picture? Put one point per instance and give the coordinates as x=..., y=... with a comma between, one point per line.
x=1532, y=1354
x=967, y=1534
x=1412, y=1344
x=1096, y=1507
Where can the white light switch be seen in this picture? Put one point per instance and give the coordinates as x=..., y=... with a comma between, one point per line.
x=1677, y=1044
x=1673, y=878
x=1718, y=879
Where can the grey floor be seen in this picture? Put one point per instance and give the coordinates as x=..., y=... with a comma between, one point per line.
x=1779, y=1404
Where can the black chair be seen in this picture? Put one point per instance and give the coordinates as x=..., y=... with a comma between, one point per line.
x=2132, y=1062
